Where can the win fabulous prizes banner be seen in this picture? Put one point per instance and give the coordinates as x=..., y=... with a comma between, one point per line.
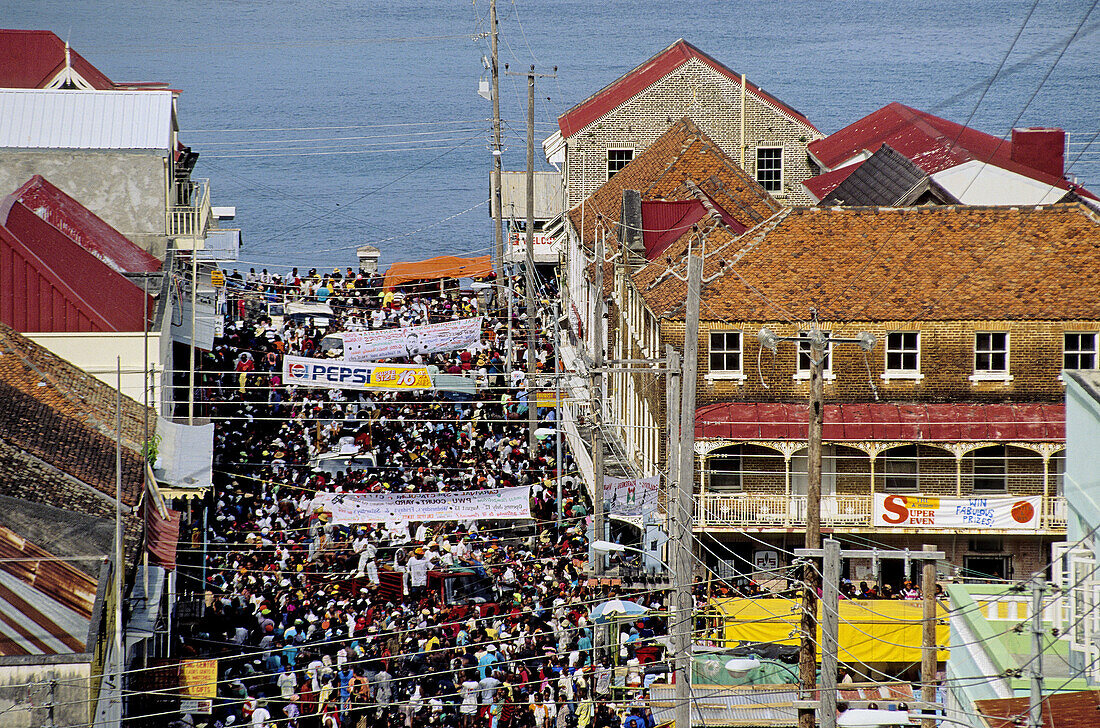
x=338, y=374
x=411, y=340
x=1009, y=513
x=490, y=503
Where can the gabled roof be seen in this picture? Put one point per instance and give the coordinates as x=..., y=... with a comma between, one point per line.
x=626, y=87
x=899, y=264
x=34, y=58
x=932, y=143
x=64, y=268
x=682, y=154
x=122, y=120
x=888, y=179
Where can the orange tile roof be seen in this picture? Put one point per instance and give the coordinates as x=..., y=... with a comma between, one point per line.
x=876, y=264
x=683, y=153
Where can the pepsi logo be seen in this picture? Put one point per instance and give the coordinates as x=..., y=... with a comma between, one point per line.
x=297, y=370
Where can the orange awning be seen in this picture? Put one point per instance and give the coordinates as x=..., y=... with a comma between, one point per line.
x=445, y=266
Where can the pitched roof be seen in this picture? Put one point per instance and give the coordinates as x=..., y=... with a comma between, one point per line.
x=64, y=267
x=98, y=120
x=900, y=264
x=57, y=419
x=887, y=179
x=630, y=85
x=932, y=143
x=682, y=154
x=33, y=58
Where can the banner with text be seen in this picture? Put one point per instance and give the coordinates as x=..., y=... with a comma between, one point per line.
x=927, y=511
x=630, y=496
x=411, y=340
x=338, y=374
x=492, y=503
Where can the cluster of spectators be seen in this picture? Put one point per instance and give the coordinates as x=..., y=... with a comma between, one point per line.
x=473, y=623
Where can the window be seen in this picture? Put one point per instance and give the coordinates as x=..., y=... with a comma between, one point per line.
x=990, y=470
x=617, y=159
x=725, y=351
x=1080, y=351
x=725, y=469
x=804, y=350
x=769, y=168
x=903, y=352
x=901, y=469
x=991, y=353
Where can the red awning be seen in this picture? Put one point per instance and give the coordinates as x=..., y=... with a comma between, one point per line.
x=161, y=535
x=445, y=266
x=885, y=421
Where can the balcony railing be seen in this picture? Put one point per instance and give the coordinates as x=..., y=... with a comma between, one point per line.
x=191, y=220
x=762, y=511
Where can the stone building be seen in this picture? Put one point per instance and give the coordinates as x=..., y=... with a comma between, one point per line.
x=602, y=134
x=976, y=312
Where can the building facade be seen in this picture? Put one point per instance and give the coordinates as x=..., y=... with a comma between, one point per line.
x=959, y=403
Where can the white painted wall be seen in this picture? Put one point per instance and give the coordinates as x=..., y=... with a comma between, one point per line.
x=98, y=353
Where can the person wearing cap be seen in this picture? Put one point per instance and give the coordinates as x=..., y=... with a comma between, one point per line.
x=487, y=660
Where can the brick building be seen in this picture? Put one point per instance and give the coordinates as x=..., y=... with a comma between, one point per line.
x=976, y=310
x=603, y=133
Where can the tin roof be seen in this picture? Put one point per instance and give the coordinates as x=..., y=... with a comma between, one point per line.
x=33, y=58
x=64, y=267
x=123, y=120
x=885, y=421
x=1061, y=710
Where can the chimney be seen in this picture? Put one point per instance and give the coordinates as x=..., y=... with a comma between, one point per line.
x=630, y=231
x=1040, y=148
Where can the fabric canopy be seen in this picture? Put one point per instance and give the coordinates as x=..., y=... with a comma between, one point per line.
x=445, y=266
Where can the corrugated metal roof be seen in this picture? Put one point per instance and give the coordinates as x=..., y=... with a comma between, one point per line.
x=763, y=705
x=34, y=119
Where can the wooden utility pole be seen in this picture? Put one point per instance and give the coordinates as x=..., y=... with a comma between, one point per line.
x=928, y=635
x=682, y=512
x=597, y=407
x=498, y=213
x=830, y=627
x=807, y=662
x=672, y=413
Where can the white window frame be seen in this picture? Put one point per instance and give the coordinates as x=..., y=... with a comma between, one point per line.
x=726, y=374
x=887, y=459
x=607, y=159
x=1000, y=462
x=779, y=189
x=990, y=375
x=804, y=374
x=1094, y=352
x=888, y=373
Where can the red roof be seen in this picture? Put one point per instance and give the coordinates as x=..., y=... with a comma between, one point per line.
x=823, y=184
x=32, y=58
x=885, y=421
x=932, y=143
x=82, y=226
x=51, y=282
x=645, y=75
x=665, y=221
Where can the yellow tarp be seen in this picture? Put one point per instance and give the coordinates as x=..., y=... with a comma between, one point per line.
x=871, y=630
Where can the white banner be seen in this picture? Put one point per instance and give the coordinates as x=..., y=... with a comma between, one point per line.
x=491, y=503
x=1012, y=513
x=630, y=496
x=338, y=374
x=411, y=340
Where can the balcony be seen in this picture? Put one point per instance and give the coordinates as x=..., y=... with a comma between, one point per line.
x=763, y=512
x=190, y=221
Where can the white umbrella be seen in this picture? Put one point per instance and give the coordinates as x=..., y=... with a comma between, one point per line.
x=614, y=609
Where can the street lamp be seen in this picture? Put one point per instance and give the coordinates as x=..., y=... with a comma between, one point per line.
x=606, y=547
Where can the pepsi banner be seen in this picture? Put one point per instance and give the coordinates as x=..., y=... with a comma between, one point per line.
x=302, y=371
x=411, y=340
x=1008, y=513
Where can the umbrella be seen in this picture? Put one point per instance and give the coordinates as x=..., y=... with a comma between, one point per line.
x=615, y=609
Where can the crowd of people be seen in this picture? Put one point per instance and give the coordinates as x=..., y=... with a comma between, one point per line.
x=473, y=623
